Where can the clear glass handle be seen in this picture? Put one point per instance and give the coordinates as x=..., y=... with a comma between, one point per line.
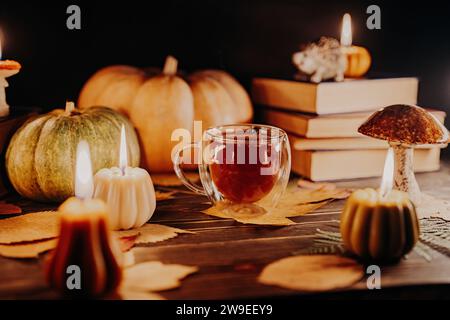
x=180, y=173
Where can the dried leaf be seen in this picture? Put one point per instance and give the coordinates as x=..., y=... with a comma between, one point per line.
x=224, y=209
x=9, y=209
x=171, y=180
x=312, y=273
x=267, y=219
x=296, y=196
x=27, y=250
x=45, y=225
x=151, y=233
x=295, y=202
x=126, y=243
x=247, y=214
x=29, y=227
x=161, y=195
x=433, y=207
x=128, y=294
x=296, y=210
x=307, y=184
x=155, y=276
x=254, y=214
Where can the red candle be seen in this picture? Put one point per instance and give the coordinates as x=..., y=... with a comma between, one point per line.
x=83, y=263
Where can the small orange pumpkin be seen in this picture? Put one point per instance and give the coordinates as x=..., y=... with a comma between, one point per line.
x=358, y=61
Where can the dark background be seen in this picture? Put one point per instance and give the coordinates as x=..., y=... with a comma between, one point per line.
x=247, y=38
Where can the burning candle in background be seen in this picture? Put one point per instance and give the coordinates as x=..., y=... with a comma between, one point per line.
x=346, y=32
x=380, y=225
x=85, y=245
x=358, y=58
x=8, y=68
x=128, y=192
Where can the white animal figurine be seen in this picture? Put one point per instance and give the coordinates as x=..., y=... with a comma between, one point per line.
x=322, y=60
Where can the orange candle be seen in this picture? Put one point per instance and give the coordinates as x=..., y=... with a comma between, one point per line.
x=84, y=263
x=358, y=58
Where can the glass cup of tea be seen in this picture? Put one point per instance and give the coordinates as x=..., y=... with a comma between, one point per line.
x=240, y=164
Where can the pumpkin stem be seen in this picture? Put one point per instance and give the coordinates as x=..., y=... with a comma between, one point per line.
x=70, y=107
x=170, y=66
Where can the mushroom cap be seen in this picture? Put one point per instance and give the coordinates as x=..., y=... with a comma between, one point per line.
x=405, y=124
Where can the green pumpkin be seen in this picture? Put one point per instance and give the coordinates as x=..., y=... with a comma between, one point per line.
x=40, y=160
x=379, y=229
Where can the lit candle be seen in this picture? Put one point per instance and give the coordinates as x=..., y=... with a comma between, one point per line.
x=85, y=246
x=358, y=58
x=380, y=225
x=8, y=68
x=129, y=192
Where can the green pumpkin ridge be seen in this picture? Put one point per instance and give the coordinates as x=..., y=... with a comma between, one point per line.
x=41, y=156
x=20, y=159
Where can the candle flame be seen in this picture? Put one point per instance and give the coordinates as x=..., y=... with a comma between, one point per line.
x=123, y=155
x=388, y=174
x=84, y=185
x=346, y=33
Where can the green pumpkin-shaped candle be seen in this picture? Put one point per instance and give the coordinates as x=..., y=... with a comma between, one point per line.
x=380, y=225
x=378, y=228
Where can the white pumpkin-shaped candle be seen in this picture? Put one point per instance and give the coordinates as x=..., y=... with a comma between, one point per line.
x=128, y=192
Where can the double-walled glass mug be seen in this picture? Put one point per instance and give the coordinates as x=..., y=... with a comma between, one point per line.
x=242, y=164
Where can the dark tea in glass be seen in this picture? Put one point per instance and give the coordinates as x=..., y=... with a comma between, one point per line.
x=244, y=168
x=242, y=164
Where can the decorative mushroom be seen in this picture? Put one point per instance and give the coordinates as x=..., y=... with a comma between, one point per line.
x=404, y=127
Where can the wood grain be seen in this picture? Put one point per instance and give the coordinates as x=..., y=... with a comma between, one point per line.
x=231, y=255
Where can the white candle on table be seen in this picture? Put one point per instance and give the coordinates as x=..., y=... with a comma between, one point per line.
x=128, y=192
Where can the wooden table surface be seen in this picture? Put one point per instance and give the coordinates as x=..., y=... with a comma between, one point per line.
x=230, y=255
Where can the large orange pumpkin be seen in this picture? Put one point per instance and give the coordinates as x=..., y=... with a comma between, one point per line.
x=159, y=103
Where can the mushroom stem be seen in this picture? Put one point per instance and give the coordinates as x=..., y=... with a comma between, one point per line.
x=404, y=179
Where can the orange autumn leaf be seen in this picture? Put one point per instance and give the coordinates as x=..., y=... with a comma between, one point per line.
x=312, y=273
x=160, y=195
x=151, y=233
x=29, y=227
x=154, y=276
x=9, y=209
x=307, y=184
x=247, y=214
x=294, y=203
x=126, y=243
x=27, y=250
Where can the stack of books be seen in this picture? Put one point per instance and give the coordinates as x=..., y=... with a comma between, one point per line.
x=322, y=122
